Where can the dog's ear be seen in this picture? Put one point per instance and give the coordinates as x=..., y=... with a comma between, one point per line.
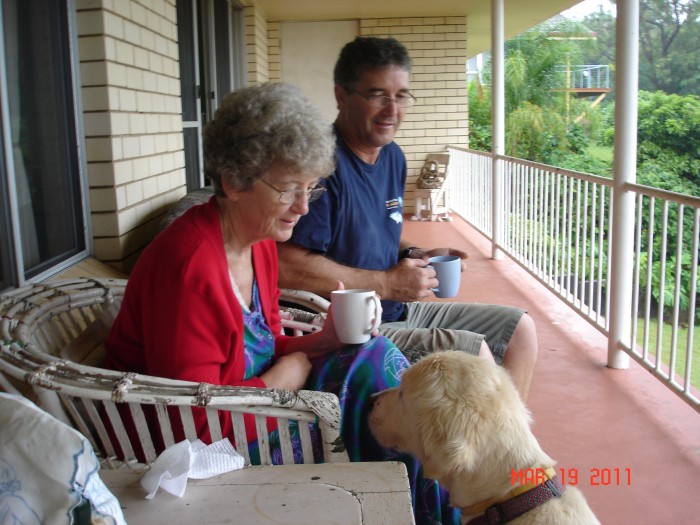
x=447, y=446
x=446, y=418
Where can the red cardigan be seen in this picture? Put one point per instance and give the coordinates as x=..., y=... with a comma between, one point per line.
x=180, y=318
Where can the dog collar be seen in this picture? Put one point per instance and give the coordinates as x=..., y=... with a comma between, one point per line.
x=520, y=500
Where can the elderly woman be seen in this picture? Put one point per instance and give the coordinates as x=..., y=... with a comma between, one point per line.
x=202, y=301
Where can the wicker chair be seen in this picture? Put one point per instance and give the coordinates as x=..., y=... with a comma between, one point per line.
x=52, y=336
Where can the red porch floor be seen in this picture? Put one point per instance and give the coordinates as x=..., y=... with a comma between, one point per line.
x=598, y=423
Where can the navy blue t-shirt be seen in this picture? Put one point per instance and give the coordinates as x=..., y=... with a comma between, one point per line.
x=358, y=220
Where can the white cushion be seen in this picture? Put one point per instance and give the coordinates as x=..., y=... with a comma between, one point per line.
x=48, y=469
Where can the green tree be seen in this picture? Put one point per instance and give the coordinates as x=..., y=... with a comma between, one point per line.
x=535, y=64
x=479, y=116
x=535, y=96
x=668, y=135
x=669, y=38
x=669, y=34
x=668, y=157
x=535, y=134
x=602, y=51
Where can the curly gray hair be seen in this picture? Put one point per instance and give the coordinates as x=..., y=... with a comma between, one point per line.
x=262, y=126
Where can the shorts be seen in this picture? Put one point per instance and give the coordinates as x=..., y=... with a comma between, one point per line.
x=436, y=326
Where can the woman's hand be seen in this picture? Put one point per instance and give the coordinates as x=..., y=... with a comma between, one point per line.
x=330, y=339
x=322, y=342
x=289, y=372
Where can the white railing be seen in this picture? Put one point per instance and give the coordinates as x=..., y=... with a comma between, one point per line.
x=556, y=224
x=587, y=76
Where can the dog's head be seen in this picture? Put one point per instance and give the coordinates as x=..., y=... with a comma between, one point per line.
x=450, y=411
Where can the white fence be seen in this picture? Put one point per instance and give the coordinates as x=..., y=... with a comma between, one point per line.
x=556, y=224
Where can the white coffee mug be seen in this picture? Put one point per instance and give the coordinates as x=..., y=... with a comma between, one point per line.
x=356, y=314
x=449, y=270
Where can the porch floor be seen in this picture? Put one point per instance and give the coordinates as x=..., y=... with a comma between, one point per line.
x=595, y=421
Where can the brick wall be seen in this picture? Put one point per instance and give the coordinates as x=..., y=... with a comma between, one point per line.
x=275, y=54
x=256, y=45
x=130, y=73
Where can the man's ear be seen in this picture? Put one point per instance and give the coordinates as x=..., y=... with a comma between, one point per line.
x=340, y=95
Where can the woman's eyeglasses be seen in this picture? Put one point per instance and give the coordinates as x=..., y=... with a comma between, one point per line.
x=293, y=195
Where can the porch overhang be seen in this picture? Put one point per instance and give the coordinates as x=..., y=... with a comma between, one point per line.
x=519, y=15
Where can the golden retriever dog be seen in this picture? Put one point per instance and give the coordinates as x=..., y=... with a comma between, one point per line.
x=463, y=419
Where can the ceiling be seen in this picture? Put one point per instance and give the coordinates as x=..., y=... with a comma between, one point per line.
x=520, y=15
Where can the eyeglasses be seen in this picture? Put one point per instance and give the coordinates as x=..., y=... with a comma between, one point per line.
x=382, y=101
x=292, y=196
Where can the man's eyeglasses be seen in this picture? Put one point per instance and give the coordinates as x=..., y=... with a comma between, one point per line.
x=292, y=196
x=381, y=101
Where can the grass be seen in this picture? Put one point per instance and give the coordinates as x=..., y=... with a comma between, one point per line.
x=604, y=153
x=682, y=338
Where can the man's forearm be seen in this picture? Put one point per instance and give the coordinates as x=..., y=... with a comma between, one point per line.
x=303, y=269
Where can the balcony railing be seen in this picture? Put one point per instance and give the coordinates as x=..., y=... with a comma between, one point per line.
x=556, y=224
x=587, y=76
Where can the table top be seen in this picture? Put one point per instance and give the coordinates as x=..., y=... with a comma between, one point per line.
x=374, y=493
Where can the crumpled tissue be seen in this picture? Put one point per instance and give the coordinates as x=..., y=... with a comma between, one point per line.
x=190, y=460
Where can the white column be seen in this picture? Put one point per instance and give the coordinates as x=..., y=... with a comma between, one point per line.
x=624, y=171
x=498, y=122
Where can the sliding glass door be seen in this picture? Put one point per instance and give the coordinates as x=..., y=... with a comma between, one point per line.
x=43, y=214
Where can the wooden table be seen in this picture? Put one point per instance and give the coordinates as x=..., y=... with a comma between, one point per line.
x=331, y=494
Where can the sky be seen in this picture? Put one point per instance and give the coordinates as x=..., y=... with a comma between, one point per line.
x=588, y=6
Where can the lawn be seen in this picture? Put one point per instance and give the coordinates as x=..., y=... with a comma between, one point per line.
x=604, y=153
x=681, y=343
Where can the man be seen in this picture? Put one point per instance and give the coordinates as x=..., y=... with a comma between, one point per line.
x=353, y=233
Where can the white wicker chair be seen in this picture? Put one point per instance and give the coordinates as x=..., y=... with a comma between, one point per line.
x=42, y=325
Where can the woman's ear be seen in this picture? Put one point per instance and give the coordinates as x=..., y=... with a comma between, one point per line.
x=231, y=193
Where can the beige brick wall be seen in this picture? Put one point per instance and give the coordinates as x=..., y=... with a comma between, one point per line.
x=274, y=51
x=256, y=45
x=129, y=73
x=438, y=49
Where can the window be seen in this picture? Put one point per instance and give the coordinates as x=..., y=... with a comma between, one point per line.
x=42, y=223
x=212, y=59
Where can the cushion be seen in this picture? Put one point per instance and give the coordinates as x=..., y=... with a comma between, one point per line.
x=49, y=471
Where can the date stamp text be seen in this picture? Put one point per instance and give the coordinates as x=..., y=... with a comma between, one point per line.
x=595, y=477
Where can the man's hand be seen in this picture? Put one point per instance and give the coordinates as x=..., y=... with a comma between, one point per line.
x=448, y=251
x=411, y=280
